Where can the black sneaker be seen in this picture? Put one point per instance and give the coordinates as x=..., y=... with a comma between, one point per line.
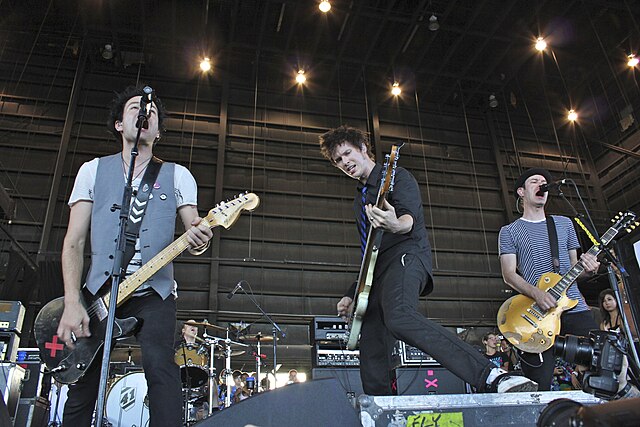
x=512, y=383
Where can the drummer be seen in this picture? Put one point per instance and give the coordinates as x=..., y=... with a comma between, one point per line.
x=189, y=333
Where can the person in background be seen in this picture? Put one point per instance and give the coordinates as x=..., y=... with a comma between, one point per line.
x=491, y=352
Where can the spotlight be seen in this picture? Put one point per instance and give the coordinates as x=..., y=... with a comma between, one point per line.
x=633, y=60
x=572, y=116
x=493, y=102
x=205, y=65
x=433, y=23
x=541, y=44
x=395, y=89
x=324, y=6
x=107, y=51
x=300, y=77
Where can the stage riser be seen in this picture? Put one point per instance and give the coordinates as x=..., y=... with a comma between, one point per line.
x=470, y=410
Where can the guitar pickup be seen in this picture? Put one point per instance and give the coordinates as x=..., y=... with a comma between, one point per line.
x=531, y=322
x=534, y=313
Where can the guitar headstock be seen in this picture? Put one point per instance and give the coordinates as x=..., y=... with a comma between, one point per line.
x=626, y=220
x=226, y=213
x=389, y=168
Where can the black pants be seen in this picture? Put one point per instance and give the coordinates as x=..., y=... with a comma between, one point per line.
x=161, y=372
x=392, y=314
x=539, y=366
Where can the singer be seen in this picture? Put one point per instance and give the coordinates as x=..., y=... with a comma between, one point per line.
x=525, y=255
x=98, y=186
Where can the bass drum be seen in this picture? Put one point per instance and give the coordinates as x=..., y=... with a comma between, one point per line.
x=127, y=401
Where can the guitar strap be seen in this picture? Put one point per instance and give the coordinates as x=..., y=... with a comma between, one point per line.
x=553, y=242
x=139, y=207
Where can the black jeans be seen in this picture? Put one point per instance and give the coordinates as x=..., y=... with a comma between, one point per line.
x=539, y=366
x=392, y=314
x=156, y=339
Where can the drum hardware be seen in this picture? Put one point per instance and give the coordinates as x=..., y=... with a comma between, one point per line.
x=225, y=345
x=205, y=324
x=258, y=339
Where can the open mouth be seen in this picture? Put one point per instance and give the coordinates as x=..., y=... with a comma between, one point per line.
x=351, y=169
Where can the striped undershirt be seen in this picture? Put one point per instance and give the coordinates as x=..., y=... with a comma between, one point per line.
x=529, y=241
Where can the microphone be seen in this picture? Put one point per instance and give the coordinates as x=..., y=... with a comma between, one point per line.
x=551, y=186
x=146, y=101
x=236, y=289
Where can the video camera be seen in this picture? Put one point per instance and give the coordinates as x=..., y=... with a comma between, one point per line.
x=602, y=352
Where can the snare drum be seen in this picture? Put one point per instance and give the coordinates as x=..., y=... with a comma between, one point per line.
x=193, y=362
x=127, y=401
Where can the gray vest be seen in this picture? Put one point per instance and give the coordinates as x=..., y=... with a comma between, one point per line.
x=156, y=231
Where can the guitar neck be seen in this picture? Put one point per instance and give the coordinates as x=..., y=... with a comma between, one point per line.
x=567, y=280
x=164, y=257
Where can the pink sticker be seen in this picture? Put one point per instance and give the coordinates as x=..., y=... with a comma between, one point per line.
x=156, y=185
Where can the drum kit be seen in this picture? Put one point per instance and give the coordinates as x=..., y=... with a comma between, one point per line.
x=127, y=401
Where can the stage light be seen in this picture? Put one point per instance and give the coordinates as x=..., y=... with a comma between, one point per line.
x=633, y=60
x=395, y=89
x=300, y=77
x=324, y=6
x=205, y=65
x=493, y=102
x=541, y=44
x=572, y=116
x=433, y=23
x=107, y=51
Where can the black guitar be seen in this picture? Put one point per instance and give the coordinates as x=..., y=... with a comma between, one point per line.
x=68, y=365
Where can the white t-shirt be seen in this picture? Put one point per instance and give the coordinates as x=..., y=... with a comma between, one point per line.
x=186, y=193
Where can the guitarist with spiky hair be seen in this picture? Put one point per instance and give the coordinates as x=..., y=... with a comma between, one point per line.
x=98, y=186
x=525, y=255
x=402, y=273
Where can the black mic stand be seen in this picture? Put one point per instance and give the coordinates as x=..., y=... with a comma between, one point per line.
x=275, y=330
x=609, y=260
x=118, y=271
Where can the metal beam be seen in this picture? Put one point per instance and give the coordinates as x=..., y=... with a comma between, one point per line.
x=62, y=151
x=7, y=204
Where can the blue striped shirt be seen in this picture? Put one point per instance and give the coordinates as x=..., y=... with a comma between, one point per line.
x=529, y=241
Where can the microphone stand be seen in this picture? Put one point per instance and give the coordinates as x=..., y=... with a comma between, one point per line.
x=275, y=330
x=610, y=260
x=118, y=271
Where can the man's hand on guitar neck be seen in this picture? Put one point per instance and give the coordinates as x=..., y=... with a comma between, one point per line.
x=387, y=220
x=544, y=299
x=74, y=323
x=345, y=306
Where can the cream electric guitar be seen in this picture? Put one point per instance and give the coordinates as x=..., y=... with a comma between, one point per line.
x=374, y=237
x=528, y=327
x=69, y=365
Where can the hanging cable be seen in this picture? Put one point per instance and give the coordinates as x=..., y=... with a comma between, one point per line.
x=475, y=176
x=426, y=177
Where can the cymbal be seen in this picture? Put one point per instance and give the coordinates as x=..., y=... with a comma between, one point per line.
x=257, y=337
x=206, y=324
x=234, y=353
x=122, y=353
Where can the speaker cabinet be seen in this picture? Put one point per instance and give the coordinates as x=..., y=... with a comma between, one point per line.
x=348, y=378
x=318, y=403
x=428, y=380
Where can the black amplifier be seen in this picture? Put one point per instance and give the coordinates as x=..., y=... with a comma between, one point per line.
x=335, y=357
x=328, y=329
x=405, y=355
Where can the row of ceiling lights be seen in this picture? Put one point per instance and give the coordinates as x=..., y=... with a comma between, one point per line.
x=396, y=90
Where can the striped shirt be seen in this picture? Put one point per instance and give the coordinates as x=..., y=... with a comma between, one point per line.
x=529, y=241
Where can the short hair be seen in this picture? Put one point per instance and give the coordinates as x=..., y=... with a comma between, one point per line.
x=485, y=337
x=331, y=139
x=116, y=109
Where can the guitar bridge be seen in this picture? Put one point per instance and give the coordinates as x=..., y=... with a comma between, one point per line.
x=531, y=322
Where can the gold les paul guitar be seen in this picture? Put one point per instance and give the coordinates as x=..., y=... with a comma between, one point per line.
x=532, y=329
x=374, y=238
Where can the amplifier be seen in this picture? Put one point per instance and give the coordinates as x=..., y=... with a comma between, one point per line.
x=29, y=359
x=11, y=376
x=429, y=380
x=405, y=355
x=328, y=329
x=11, y=316
x=335, y=357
